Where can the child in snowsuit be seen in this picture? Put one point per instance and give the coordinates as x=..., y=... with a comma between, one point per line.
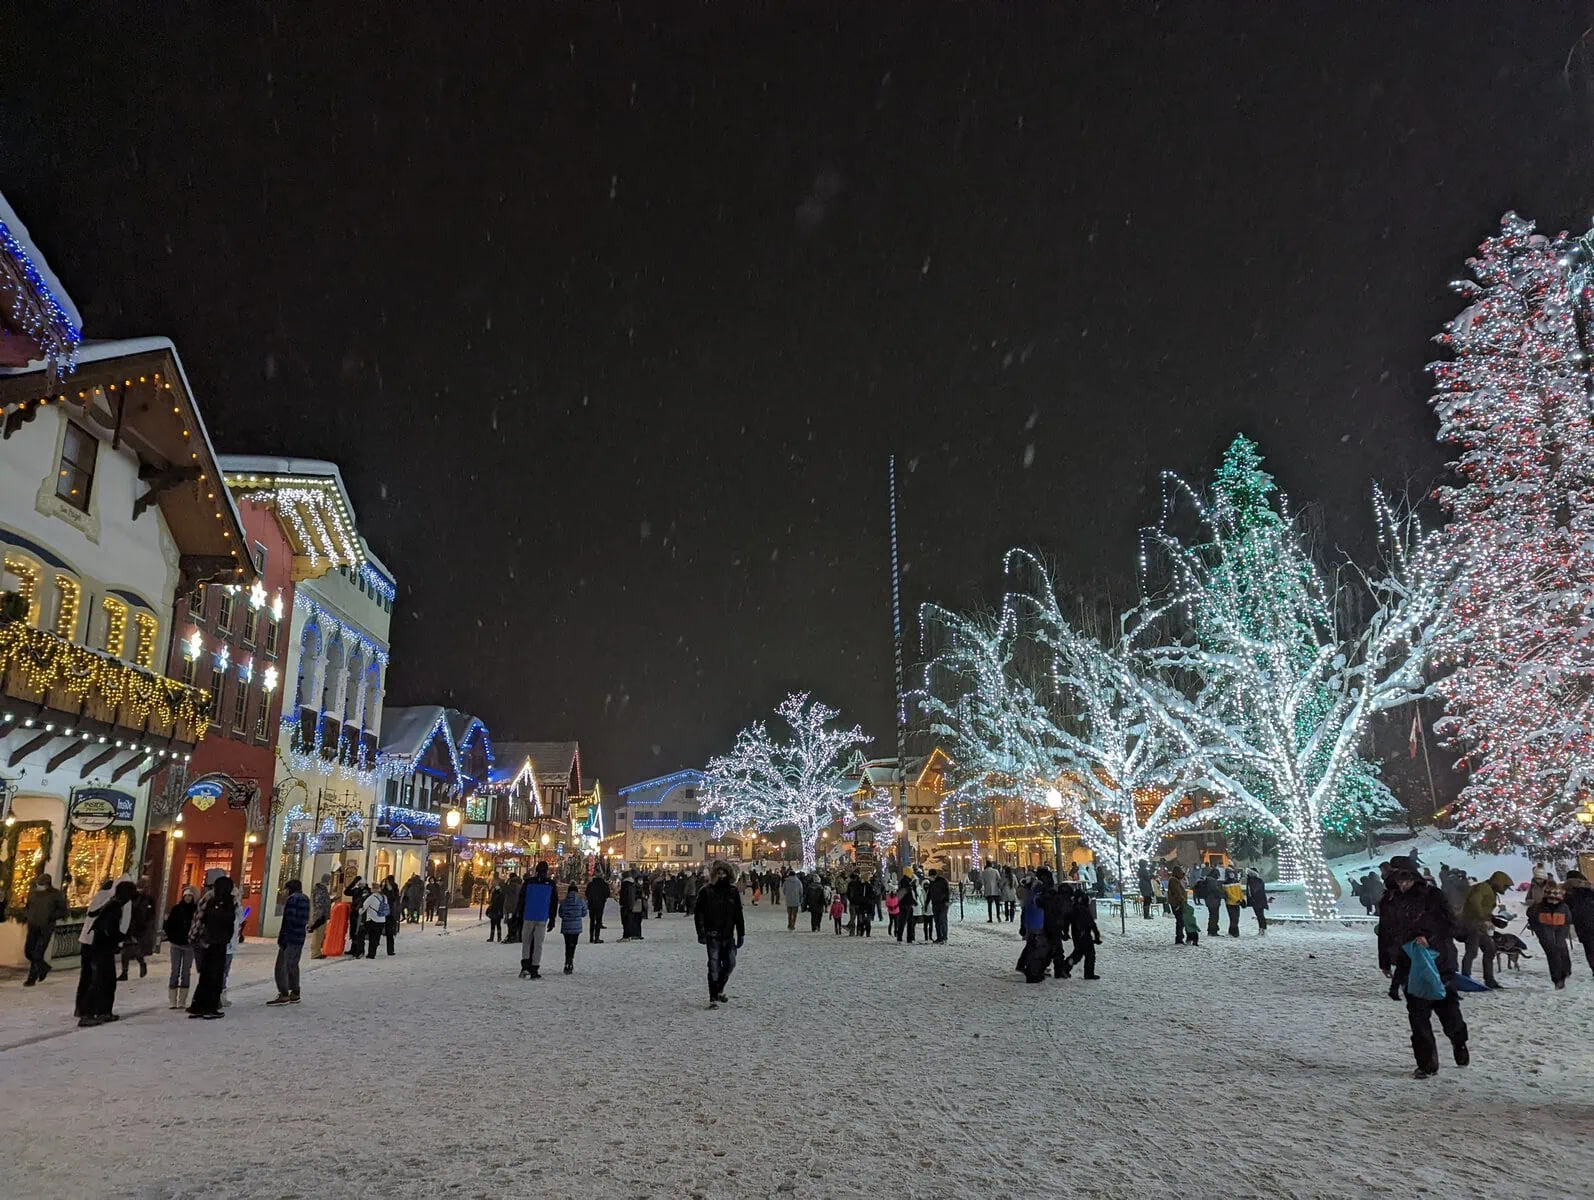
x=572, y=920
x=838, y=909
x=1551, y=922
x=1192, y=927
x=1082, y=925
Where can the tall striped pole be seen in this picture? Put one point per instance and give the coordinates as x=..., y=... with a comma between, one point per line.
x=896, y=638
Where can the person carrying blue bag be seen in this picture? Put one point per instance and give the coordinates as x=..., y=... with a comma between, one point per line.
x=1416, y=939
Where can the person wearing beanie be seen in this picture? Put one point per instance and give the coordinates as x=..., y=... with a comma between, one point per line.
x=572, y=920
x=1477, y=924
x=720, y=929
x=1551, y=922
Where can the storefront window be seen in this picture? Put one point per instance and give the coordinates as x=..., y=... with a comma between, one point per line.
x=27, y=851
x=291, y=865
x=92, y=857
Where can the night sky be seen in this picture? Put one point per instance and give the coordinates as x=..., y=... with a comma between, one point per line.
x=612, y=321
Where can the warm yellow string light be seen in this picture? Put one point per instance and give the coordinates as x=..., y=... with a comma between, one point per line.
x=69, y=597
x=144, y=655
x=115, y=626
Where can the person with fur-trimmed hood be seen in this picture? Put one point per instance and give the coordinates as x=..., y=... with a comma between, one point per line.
x=718, y=917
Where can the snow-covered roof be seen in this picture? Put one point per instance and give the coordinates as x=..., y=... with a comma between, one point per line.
x=45, y=312
x=653, y=791
x=19, y=231
x=551, y=762
x=406, y=731
x=310, y=495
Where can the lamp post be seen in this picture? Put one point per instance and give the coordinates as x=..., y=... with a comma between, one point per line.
x=1054, y=802
x=897, y=827
x=451, y=822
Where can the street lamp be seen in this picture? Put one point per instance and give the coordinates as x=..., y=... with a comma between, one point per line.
x=1054, y=801
x=451, y=821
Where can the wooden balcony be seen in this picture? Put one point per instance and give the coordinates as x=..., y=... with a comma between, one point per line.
x=40, y=672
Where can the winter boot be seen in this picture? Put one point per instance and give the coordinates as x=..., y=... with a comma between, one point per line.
x=182, y=998
x=122, y=978
x=525, y=968
x=143, y=968
x=171, y=998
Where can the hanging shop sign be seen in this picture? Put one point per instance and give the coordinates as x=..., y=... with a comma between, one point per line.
x=330, y=842
x=95, y=808
x=203, y=793
x=301, y=825
x=400, y=833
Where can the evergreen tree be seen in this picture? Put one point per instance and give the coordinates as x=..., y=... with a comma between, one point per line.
x=1514, y=403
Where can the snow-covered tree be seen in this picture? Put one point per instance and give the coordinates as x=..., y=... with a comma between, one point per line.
x=763, y=783
x=1276, y=698
x=1026, y=703
x=1514, y=403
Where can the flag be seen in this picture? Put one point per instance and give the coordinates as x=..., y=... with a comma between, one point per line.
x=1413, y=744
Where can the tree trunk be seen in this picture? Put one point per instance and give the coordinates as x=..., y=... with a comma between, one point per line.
x=1316, y=879
x=810, y=840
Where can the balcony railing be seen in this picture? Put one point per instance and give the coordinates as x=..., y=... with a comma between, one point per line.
x=37, y=667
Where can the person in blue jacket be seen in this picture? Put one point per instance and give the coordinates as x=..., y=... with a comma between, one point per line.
x=539, y=909
x=572, y=915
x=290, y=942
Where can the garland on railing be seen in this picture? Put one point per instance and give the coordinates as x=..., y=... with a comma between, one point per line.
x=47, y=661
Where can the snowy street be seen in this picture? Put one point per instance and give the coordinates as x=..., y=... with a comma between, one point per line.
x=1264, y=1067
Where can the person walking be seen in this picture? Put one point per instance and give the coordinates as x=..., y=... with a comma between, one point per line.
x=431, y=894
x=511, y=911
x=1082, y=929
x=1256, y=897
x=390, y=927
x=1233, y=899
x=1038, y=921
x=791, y=895
x=539, y=910
x=45, y=908
x=495, y=912
x=373, y=919
x=572, y=919
x=414, y=897
x=991, y=889
x=1477, y=925
x=106, y=932
x=720, y=929
x=1009, y=893
x=356, y=894
x=211, y=933
x=907, y=904
x=178, y=926
x=938, y=895
x=814, y=900
x=87, y=983
x=838, y=910
x=140, y=943
x=1551, y=922
x=1177, y=898
x=1580, y=903
x=290, y=942
x=1144, y=877
x=597, y=900
x=1415, y=912
x=320, y=913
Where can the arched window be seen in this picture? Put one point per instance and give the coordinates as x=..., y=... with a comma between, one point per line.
x=68, y=599
x=351, y=695
x=114, y=637
x=148, y=632
x=334, y=672
x=309, y=656
x=22, y=579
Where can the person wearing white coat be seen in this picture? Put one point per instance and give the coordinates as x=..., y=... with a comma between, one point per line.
x=991, y=886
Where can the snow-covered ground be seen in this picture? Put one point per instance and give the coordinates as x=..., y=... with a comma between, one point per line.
x=1267, y=1067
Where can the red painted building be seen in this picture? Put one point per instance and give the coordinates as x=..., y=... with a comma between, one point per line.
x=232, y=641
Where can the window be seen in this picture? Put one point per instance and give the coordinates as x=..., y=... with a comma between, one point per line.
x=262, y=714
x=114, y=642
x=148, y=627
x=22, y=579
x=258, y=553
x=271, y=635
x=189, y=667
x=68, y=596
x=240, y=704
x=251, y=622
x=76, y=479
x=196, y=604
x=224, y=610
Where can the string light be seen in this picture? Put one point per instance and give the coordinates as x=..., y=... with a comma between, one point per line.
x=38, y=314
x=763, y=783
x=1514, y=405
x=148, y=628
x=115, y=626
x=69, y=595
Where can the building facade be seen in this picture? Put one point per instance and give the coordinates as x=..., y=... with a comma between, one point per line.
x=110, y=506
x=436, y=760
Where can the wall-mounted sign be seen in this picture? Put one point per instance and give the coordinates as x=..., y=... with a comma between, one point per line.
x=95, y=808
x=331, y=842
x=302, y=825
x=204, y=792
x=400, y=833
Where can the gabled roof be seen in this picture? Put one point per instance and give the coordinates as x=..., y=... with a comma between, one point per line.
x=654, y=791
x=313, y=508
x=407, y=734
x=551, y=762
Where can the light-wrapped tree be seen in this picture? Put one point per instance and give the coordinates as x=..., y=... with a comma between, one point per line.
x=799, y=780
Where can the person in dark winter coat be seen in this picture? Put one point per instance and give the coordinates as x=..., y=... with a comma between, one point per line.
x=907, y=902
x=1551, y=922
x=320, y=914
x=861, y=904
x=1082, y=929
x=597, y=900
x=1580, y=903
x=1177, y=897
x=1057, y=906
x=390, y=889
x=1256, y=897
x=414, y=898
x=140, y=943
x=1415, y=911
x=46, y=907
x=1143, y=878
x=290, y=942
x=179, y=924
x=211, y=933
x=105, y=928
x=495, y=912
x=1209, y=891
x=720, y=930
x=512, y=920
x=814, y=901
x=938, y=895
x=539, y=909
x=1043, y=930
x=355, y=894
x=572, y=918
